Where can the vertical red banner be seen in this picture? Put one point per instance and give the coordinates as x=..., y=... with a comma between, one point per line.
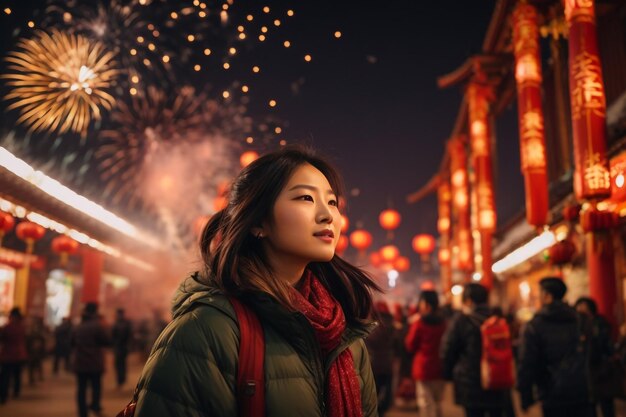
x=588, y=102
x=479, y=96
x=443, y=225
x=528, y=77
x=460, y=203
x=93, y=264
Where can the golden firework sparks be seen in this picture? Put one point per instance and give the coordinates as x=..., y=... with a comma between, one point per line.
x=59, y=81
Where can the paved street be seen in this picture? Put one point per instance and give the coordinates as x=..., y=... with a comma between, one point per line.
x=54, y=397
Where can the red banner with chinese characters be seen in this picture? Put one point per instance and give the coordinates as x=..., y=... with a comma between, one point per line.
x=588, y=102
x=531, y=126
x=480, y=143
x=479, y=96
x=443, y=225
x=460, y=203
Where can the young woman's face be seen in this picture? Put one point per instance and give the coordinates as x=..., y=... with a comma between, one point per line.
x=306, y=220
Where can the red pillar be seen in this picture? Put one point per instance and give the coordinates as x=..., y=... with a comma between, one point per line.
x=592, y=179
x=93, y=263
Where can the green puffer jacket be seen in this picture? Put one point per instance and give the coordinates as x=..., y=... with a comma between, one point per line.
x=193, y=364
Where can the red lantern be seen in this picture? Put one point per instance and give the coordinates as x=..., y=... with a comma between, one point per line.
x=424, y=244
x=361, y=239
x=389, y=219
x=345, y=224
x=588, y=102
x=247, y=158
x=375, y=259
x=531, y=125
x=389, y=253
x=30, y=233
x=562, y=252
x=64, y=246
x=342, y=244
x=402, y=264
x=444, y=256
x=6, y=224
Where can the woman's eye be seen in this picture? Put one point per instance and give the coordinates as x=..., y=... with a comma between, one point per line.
x=305, y=198
x=333, y=203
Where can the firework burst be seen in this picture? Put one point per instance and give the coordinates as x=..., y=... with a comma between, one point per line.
x=59, y=82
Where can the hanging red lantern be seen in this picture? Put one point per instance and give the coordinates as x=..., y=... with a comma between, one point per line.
x=342, y=244
x=345, y=223
x=389, y=219
x=402, y=264
x=361, y=240
x=247, y=158
x=64, y=246
x=444, y=256
x=375, y=259
x=6, y=224
x=30, y=233
x=562, y=252
x=389, y=253
x=424, y=244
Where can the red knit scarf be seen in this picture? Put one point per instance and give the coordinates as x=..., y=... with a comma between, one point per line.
x=343, y=394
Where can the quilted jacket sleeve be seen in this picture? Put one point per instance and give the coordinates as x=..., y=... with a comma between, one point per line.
x=369, y=398
x=191, y=369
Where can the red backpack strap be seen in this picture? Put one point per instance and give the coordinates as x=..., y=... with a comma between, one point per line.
x=250, y=390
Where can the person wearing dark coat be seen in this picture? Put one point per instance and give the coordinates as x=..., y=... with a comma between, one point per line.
x=13, y=354
x=380, y=345
x=552, y=354
x=604, y=386
x=88, y=342
x=121, y=334
x=424, y=342
x=36, y=347
x=461, y=352
x=62, y=345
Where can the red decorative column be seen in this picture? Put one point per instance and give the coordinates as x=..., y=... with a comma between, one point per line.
x=479, y=96
x=460, y=203
x=592, y=178
x=531, y=126
x=443, y=226
x=93, y=263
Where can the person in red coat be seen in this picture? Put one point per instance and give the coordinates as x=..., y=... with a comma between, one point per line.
x=13, y=354
x=423, y=340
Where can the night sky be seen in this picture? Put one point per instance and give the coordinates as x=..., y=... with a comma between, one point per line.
x=369, y=99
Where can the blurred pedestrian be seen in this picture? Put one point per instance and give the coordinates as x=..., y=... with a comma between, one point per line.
x=62, y=345
x=554, y=356
x=424, y=342
x=36, y=347
x=461, y=354
x=88, y=342
x=13, y=354
x=121, y=336
x=605, y=373
x=380, y=345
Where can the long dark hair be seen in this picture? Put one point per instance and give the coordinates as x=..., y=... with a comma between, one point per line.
x=235, y=261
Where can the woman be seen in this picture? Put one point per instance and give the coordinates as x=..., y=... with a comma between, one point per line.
x=273, y=247
x=424, y=341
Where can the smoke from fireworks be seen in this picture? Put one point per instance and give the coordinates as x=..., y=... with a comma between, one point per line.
x=59, y=82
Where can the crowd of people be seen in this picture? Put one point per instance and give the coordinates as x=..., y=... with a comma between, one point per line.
x=566, y=357
x=78, y=348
